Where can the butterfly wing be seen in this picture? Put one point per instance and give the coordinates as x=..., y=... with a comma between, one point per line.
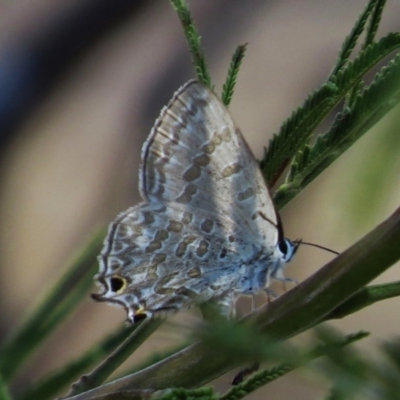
x=196, y=155
x=207, y=226
x=168, y=256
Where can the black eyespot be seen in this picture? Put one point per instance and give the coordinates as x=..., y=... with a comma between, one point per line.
x=116, y=283
x=139, y=317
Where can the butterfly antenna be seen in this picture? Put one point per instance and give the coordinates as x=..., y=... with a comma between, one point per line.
x=299, y=242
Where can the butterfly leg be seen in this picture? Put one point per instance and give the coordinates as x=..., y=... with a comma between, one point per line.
x=253, y=302
x=226, y=306
x=270, y=294
x=279, y=276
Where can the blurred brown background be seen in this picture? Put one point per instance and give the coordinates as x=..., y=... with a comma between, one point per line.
x=81, y=84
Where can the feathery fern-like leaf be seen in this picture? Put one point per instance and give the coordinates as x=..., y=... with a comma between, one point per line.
x=206, y=393
x=194, y=41
x=230, y=82
x=294, y=133
x=374, y=22
x=296, y=130
x=369, y=107
x=265, y=376
x=351, y=40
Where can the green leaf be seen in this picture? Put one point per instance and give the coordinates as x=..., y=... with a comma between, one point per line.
x=193, y=40
x=230, y=82
x=298, y=129
x=374, y=22
x=268, y=375
x=351, y=40
x=206, y=393
x=369, y=107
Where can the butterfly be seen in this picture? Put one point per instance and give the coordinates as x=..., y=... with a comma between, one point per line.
x=206, y=230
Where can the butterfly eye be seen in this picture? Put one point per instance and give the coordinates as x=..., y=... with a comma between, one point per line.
x=288, y=249
x=283, y=247
x=117, y=283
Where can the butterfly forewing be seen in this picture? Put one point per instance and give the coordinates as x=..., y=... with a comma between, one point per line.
x=196, y=155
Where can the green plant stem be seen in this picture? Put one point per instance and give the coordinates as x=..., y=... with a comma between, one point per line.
x=54, y=308
x=108, y=366
x=58, y=380
x=296, y=311
x=336, y=282
x=366, y=297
